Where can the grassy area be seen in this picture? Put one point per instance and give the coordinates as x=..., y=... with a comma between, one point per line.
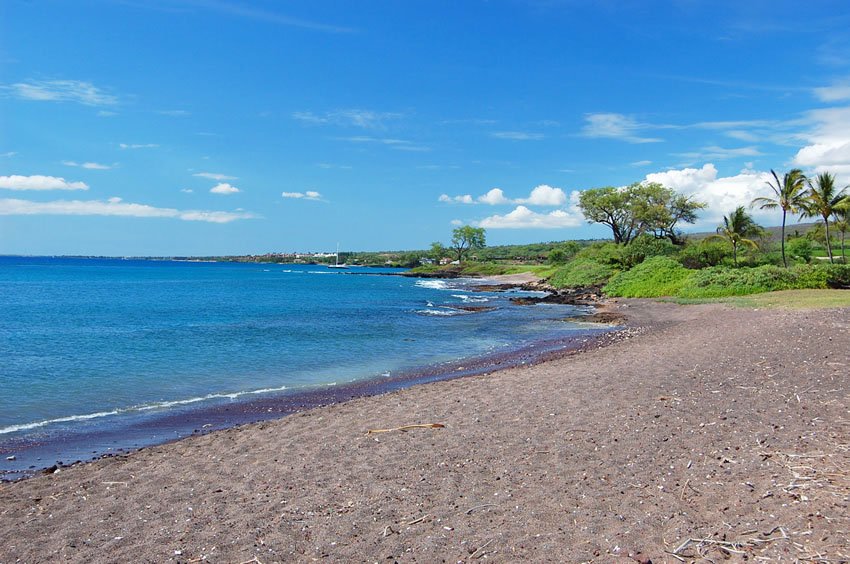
x=795, y=299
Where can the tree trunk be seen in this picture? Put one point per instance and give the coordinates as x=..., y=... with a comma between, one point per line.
x=784, y=262
x=828, y=246
x=735, y=253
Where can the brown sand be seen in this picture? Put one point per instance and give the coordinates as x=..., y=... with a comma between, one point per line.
x=729, y=426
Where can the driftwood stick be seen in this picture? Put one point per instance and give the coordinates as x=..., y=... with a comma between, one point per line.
x=483, y=505
x=408, y=427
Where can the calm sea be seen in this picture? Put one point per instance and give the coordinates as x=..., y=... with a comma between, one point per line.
x=91, y=345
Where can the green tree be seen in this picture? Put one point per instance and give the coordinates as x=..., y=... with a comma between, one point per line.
x=467, y=238
x=659, y=209
x=842, y=222
x=563, y=253
x=790, y=197
x=642, y=207
x=822, y=201
x=612, y=207
x=437, y=251
x=737, y=228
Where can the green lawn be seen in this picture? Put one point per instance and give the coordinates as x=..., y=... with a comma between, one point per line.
x=795, y=299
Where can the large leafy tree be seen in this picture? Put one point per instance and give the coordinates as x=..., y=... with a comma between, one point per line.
x=466, y=238
x=823, y=200
x=738, y=228
x=789, y=196
x=642, y=207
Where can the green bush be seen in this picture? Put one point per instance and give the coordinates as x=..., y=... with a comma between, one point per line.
x=654, y=277
x=602, y=253
x=704, y=254
x=800, y=248
x=580, y=273
x=643, y=247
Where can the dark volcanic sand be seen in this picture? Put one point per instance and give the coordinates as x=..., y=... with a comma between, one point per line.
x=720, y=424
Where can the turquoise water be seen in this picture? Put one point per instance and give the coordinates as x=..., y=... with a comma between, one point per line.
x=86, y=341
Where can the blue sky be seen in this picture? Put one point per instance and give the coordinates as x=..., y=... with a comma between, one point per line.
x=166, y=127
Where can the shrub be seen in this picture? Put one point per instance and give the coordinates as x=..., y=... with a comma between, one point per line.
x=654, y=277
x=643, y=247
x=580, y=273
x=801, y=248
x=603, y=253
x=704, y=254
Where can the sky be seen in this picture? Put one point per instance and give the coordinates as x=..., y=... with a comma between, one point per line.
x=209, y=127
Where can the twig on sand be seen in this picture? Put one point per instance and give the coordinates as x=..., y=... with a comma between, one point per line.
x=408, y=427
x=482, y=506
x=480, y=549
x=417, y=520
x=254, y=560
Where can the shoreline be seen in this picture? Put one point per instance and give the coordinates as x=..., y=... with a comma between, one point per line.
x=690, y=430
x=104, y=439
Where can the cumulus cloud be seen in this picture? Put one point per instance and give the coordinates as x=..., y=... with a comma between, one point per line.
x=88, y=165
x=543, y=195
x=524, y=218
x=494, y=197
x=463, y=199
x=722, y=194
x=114, y=207
x=308, y=195
x=225, y=189
x=214, y=176
x=828, y=147
x=39, y=182
x=616, y=126
x=61, y=91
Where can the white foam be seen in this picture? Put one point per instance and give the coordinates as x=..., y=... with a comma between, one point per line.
x=465, y=298
x=136, y=408
x=440, y=312
x=433, y=284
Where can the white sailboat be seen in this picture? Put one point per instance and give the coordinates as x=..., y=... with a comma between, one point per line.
x=336, y=261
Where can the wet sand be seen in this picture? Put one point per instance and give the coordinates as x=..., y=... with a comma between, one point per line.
x=724, y=425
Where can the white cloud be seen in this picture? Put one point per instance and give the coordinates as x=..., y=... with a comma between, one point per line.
x=61, y=91
x=138, y=145
x=366, y=119
x=722, y=194
x=456, y=222
x=715, y=153
x=544, y=195
x=517, y=135
x=173, y=113
x=308, y=195
x=114, y=207
x=397, y=144
x=88, y=165
x=9, y=154
x=616, y=126
x=187, y=190
x=214, y=176
x=828, y=148
x=834, y=93
x=106, y=113
x=39, y=182
x=524, y=218
x=641, y=163
x=494, y=197
x=225, y=189
x=463, y=199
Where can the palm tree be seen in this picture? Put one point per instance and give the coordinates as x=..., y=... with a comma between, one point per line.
x=842, y=222
x=790, y=197
x=737, y=228
x=822, y=201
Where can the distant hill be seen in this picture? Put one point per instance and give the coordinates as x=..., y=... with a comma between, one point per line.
x=792, y=229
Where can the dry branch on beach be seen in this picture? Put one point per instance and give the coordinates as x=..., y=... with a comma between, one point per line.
x=407, y=428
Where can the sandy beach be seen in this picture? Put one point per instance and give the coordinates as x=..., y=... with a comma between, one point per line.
x=706, y=431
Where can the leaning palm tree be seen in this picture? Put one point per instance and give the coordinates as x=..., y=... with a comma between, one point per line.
x=790, y=197
x=737, y=228
x=822, y=201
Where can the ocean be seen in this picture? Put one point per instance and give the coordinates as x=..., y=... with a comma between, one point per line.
x=98, y=356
